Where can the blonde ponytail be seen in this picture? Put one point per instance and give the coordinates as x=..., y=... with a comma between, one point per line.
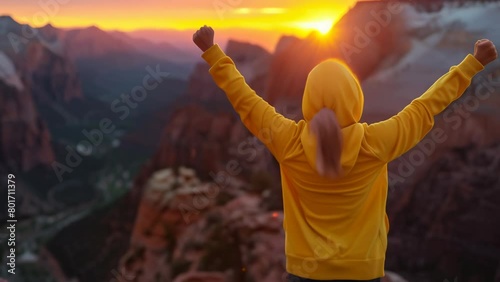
x=325, y=127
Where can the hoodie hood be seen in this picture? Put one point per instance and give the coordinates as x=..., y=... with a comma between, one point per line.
x=332, y=85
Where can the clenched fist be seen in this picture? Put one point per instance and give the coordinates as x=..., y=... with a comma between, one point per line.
x=204, y=38
x=485, y=51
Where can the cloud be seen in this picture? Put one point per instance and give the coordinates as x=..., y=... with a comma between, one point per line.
x=267, y=11
x=243, y=11
x=272, y=10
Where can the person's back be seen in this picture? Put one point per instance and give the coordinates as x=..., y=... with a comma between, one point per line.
x=326, y=217
x=334, y=168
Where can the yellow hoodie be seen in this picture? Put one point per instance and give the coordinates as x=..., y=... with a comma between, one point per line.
x=337, y=229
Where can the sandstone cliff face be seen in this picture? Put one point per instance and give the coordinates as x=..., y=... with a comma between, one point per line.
x=34, y=78
x=203, y=228
x=53, y=77
x=32, y=74
x=25, y=139
x=40, y=62
x=212, y=144
x=445, y=224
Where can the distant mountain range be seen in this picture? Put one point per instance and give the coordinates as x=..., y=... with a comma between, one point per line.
x=92, y=42
x=182, y=39
x=55, y=85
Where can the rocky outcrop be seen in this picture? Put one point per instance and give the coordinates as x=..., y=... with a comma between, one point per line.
x=32, y=73
x=442, y=225
x=188, y=230
x=53, y=77
x=25, y=139
x=211, y=143
x=253, y=62
x=40, y=63
x=200, y=277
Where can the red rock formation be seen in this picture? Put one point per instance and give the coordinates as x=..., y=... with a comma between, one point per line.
x=54, y=78
x=24, y=137
x=41, y=63
x=190, y=227
x=442, y=224
x=200, y=277
x=34, y=74
x=214, y=144
x=195, y=137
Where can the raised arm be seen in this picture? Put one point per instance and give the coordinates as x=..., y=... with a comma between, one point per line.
x=273, y=129
x=391, y=138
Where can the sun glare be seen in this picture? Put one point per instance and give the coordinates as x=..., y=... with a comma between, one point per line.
x=322, y=26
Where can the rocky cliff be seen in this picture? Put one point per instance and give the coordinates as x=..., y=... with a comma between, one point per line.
x=25, y=139
x=444, y=224
x=40, y=63
x=211, y=143
x=184, y=222
x=32, y=73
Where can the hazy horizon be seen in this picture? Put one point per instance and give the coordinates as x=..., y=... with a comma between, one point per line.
x=255, y=21
x=264, y=38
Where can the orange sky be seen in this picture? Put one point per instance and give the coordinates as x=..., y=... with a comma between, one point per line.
x=297, y=17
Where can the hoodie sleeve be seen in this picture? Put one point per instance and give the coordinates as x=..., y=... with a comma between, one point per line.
x=391, y=138
x=272, y=129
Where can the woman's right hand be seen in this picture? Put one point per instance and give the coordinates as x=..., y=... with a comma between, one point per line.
x=204, y=38
x=485, y=51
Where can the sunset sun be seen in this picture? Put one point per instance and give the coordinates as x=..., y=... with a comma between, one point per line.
x=323, y=26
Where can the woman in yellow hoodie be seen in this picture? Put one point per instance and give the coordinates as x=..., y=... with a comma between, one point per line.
x=334, y=168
